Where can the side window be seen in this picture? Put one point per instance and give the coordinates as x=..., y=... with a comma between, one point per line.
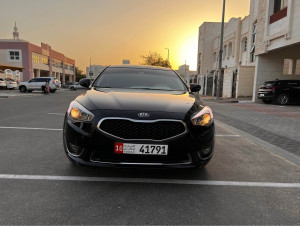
x=32, y=80
x=292, y=84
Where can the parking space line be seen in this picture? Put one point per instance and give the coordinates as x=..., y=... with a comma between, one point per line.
x=149, y=181
x=231, y=135
x=30, y=128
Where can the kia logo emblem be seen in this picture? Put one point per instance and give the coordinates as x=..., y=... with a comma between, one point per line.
x=143, y=115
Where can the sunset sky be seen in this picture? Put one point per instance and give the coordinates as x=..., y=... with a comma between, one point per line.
x=109, y=31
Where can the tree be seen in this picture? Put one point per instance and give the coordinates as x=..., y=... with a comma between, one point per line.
x=79, y=74
x=155, y=59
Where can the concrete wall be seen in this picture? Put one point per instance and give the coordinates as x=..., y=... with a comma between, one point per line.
x=227, y=82
x=245, y=81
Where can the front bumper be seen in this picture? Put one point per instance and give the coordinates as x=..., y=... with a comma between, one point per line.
x=86, y=144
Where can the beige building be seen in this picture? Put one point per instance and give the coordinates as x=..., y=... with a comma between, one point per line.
x=237, y=70
x=187, y=75
x=262, y=46
x=93, y=71
x=277, y=42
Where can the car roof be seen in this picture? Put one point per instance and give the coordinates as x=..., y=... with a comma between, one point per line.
x=140, y=67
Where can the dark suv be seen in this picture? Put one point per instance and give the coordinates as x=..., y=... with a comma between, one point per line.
x=280, y=91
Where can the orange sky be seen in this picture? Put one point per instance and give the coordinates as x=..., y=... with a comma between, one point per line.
x=112, y=30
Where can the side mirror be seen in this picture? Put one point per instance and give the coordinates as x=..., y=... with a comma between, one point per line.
x=195, y=88
x=85, y=82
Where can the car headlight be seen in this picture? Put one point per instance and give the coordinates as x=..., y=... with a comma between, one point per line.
x=203, y=118
x=78, y=113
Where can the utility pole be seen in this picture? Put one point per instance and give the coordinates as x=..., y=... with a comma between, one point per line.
x=220, y=54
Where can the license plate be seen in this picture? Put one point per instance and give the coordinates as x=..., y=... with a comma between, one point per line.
x=141, y=149
x=262, y=95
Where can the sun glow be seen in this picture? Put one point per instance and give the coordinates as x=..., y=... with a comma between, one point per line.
x=188, y=52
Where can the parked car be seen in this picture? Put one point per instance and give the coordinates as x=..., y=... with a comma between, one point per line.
x=68, y=84
x=76, y=86
x=38, y=83
x=139, y=116
x=2, y=83
x=280, y=91
x=10, y=83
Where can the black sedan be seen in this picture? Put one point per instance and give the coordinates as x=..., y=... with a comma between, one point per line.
x=139, y=116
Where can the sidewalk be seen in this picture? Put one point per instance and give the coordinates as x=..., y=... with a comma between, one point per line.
x=227, y=100
x=276, y=125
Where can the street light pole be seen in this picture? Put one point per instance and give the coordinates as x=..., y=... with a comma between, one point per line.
x=220, y=53
x=168, y=53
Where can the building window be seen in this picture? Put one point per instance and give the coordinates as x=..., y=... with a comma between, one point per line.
x=288, y=67
x=230, y=49
x=279, y=10
x=199, y=63
x=215, y=56
x=245, y=45
x=297, y=72
x=57, y=63
x=14, y=55
x=277, y=6
x=35, y=59
x=45, y=60
x=252, y=51
x=225, y=51
x=66, y=67
x=71, y=67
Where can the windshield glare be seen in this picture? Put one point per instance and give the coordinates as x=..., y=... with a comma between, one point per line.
x=136, y=78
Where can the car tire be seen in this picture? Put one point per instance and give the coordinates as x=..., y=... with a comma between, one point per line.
x=72, y=88
x=23, y=89
x=53, y=90
x=29, y=91
x=283, y=99
x=267, y=101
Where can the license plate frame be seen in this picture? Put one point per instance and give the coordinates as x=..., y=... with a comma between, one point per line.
x=141, y=149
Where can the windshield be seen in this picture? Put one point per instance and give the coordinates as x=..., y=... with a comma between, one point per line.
x=137, y=78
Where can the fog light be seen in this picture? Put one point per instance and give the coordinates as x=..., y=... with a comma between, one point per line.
x=76, y=150
x=206, y=151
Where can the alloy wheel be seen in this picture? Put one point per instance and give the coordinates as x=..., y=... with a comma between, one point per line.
x=283, y=99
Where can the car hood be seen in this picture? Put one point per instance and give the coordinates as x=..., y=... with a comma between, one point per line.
x=138, y=100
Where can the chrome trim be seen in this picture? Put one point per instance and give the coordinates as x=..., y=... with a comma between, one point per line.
x=142, y=121
x=187, y=162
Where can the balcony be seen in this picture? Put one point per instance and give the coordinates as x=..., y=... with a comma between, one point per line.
x=278, y=15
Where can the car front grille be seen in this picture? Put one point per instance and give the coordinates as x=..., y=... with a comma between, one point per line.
x=156, y=130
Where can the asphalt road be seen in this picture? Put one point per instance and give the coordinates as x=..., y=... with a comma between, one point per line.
x=243, y=184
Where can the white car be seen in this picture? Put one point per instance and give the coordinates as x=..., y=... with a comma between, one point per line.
x=76, y=86
x=38, y=84
x=10, y=83
x=2, y=83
